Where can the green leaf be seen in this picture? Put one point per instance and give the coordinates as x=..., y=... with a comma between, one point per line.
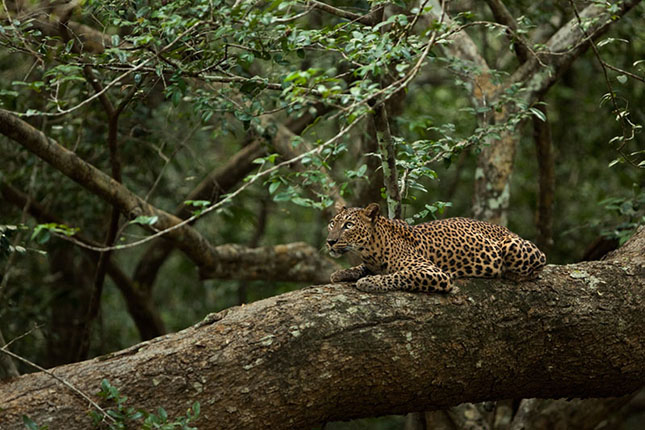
x=622, y=79
x=29, y=423
x=145, y=220
x=273, y=187
x=197, y=203
x=538, y=114
x=69, y=45
x=163, y=415
x=42, y=231
x=300, y=201
x=105, y=384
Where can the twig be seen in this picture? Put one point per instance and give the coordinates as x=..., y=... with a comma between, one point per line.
x=59, y=379
x=225, y=199
x=624, y=72
x=111, y=83
x=25, y=334
x=367, y=19
x=626, y=136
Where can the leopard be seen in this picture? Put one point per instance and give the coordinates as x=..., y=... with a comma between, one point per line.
x=426, y=257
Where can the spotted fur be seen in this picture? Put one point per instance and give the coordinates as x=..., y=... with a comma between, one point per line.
x=426, y=257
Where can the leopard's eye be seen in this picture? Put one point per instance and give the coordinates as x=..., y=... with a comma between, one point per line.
x=348, y=224
x=331, y=224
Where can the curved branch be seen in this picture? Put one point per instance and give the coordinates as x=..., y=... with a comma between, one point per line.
x=221, y=181
x=186, y=238
x=215, y=184
x=334, y=353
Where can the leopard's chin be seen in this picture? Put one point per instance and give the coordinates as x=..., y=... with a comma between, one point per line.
x=337, y=253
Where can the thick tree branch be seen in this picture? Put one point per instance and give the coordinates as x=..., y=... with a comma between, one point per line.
x=189, y=240
x=297, y=262
x=332, y=352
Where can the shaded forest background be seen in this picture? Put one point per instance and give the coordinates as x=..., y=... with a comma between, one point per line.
x=186, y=102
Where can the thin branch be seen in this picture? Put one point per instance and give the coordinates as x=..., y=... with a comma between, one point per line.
x=624, y=122
x=139, y=306
x=367, y=19
x=503, y=16
x=25, y=334
x=112, y=83
x=619, y=70
x=387, y=150
x=61, y=380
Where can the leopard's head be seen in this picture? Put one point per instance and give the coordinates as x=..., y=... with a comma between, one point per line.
x=351, y=229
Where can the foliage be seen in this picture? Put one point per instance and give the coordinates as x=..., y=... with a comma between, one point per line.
x=42, y=232
x=6, y=248
x=123, y=417
x=630, y=211
x=7, y=232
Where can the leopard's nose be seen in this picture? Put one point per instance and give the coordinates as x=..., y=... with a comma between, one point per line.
x=331, y=242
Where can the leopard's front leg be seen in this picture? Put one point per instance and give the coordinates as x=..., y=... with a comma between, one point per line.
x=350, y=275
x=427, y=278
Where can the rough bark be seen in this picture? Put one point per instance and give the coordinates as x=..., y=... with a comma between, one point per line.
x=296, y=262
x=208, y=257
x=331, y=352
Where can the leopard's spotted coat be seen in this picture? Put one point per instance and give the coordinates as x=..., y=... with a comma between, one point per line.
x=426, y=257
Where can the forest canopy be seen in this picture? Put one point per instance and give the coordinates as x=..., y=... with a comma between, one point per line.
x=165, y=159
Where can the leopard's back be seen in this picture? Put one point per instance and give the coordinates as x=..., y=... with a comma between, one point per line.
x=426, y=257
x=466, y=247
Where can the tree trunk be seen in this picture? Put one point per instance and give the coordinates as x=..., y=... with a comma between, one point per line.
x=333, y=353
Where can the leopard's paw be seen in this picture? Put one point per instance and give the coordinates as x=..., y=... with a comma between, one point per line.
x=369, y=285
x=340, y=276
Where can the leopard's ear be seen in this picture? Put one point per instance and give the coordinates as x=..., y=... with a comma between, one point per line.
x=372, y=211
x=339, y=206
